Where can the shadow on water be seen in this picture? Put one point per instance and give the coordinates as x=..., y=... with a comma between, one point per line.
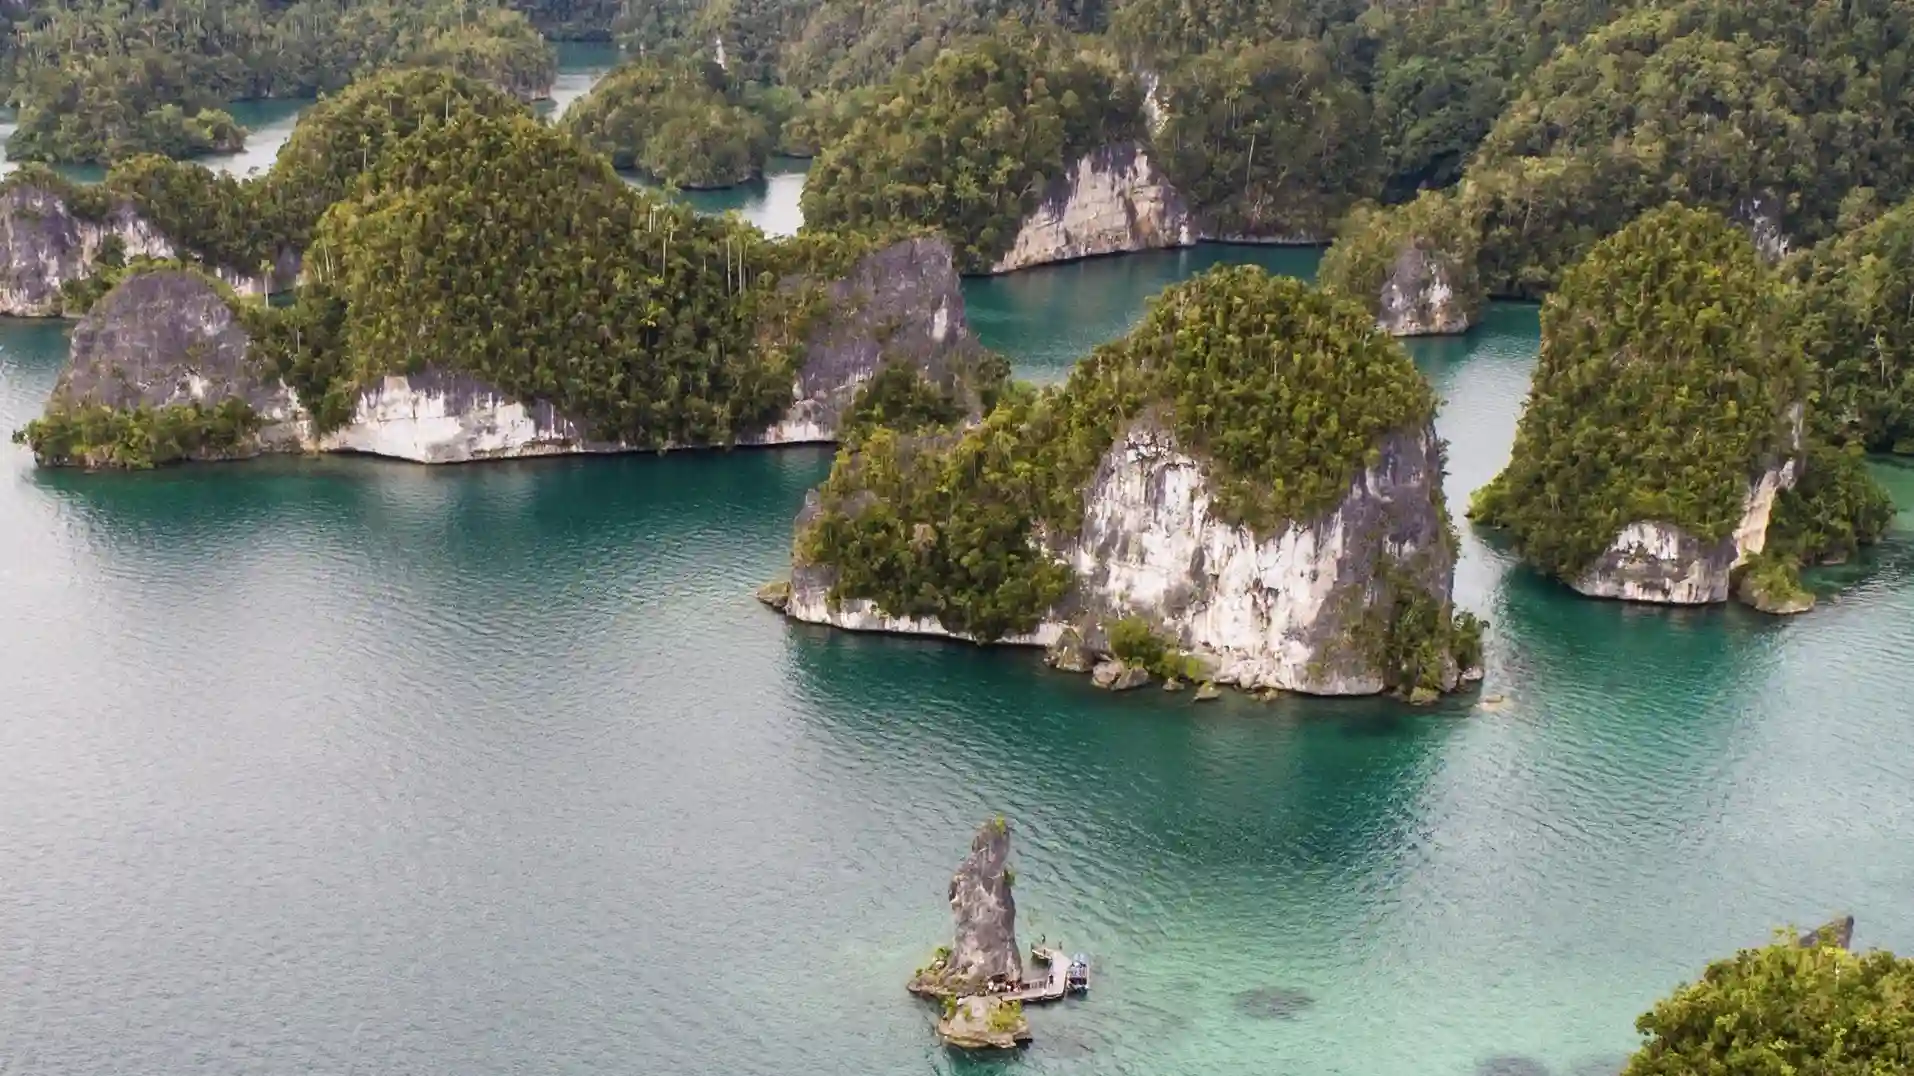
x=1274, y=1002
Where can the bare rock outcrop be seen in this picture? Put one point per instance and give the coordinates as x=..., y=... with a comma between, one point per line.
x=983, y=949
x=47, y=243
x=169, y=338
x=1113, y=200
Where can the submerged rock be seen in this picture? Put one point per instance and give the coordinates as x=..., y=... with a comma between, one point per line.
x=775, y=593
x=1070, y=653
x=1116, y=676
x=1274, y=1002
x=1756, y=594
x=979, y=1023
x=1115, y=199
x=1206, y=692
x=984, y=948
x=1836, y=932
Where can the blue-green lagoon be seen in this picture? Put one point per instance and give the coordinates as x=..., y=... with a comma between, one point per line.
x=337, y=765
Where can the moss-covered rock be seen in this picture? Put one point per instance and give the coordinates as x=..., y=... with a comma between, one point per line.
x=1413, y=266
x=1666, y=420
x=163, y=369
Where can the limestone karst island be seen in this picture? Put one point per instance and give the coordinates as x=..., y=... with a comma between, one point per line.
x=1403, y=509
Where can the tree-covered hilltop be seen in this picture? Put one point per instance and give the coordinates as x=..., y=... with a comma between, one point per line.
x=1740, y=107
x=641, y=320
x=638, y=317
x=1413, y=266
x=681, y=123
x=1284, y=392
x=1267, y=140
x=1857, y=313
x=1670, y=379
x=258, y=225
x=1809, y=1007
x=345, y=134
x=101, y=80
x=1665, y=383
x=968, y=145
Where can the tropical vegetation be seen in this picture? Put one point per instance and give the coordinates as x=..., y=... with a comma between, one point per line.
x=1807, y=1010
x=1267, y=141
x=1670, y=377
x=971, y=143
x=1857, y=311
x=97, y=436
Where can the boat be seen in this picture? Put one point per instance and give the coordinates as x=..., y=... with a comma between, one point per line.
x=1076, y=979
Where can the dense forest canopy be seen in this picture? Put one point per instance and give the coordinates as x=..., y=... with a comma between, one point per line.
x=1267, y=140
x=969, y=144
x=1857, y=309
x=1285, y=391
x=1772, y=111
x=1668, y=380
x=681, y=122
x=103, y=79
x=642, y=320
x=580, y=20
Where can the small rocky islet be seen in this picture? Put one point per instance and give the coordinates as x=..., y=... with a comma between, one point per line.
x=978, y=979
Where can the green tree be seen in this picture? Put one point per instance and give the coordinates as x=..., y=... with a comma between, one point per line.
x=1813, y=1011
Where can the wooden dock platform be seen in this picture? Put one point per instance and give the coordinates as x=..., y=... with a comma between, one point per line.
x=1055, y=983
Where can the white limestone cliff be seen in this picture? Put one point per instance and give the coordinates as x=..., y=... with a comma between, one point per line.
x=1114, y=199
x=1658, y=562
x=1275, y=611
x=1419, y=299
x=44, y=246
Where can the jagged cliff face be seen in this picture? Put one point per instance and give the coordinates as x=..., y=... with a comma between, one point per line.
x=168, y=338
x=1115, y=199
x=984, y=946
x=1419, y=298
x=1662, y=563
x=1274, y=611
x=44, y=245
x=902, y=303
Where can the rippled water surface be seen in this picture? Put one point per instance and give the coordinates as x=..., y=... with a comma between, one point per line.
x=343, y=766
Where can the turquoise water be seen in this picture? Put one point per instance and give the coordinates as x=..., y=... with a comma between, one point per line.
x=770, y=202
x=338, y=765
